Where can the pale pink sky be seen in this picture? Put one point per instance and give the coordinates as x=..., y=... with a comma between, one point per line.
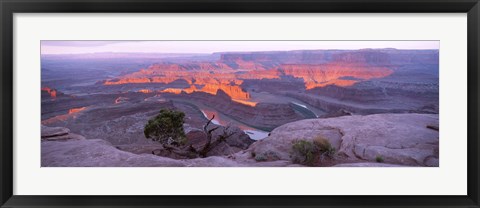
x=79, y=47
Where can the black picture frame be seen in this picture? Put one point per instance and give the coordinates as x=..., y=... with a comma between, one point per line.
x=9, y=7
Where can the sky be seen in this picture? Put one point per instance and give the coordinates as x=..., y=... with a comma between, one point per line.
x=82, y=47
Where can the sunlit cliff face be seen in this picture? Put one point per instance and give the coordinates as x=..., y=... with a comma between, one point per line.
x=313, y=75
x=76, y=110
x=331, y=74
x=173, y=91
x=146, y=91
x=72, y=113
x=234, y=91
x=246, y=102
x=51, y=92
x=209, y=77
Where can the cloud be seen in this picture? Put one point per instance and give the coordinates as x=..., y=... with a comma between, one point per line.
x=77, y=47
x=79, y=43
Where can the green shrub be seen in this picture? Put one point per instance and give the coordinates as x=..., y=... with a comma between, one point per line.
x=304, y=152
x=166, y=127
x=324, y=146
x=307, y=153
x=266, y=156
x=260, y=158
x=379, y=159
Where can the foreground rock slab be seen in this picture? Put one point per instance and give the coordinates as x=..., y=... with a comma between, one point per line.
x=53, y=131
x=380, y=140
x=403, y=139
x=100, y=153
x=96, y=153
x=58, y=134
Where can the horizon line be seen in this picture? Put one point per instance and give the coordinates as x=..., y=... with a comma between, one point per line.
x=220, y=52
x=210, y=47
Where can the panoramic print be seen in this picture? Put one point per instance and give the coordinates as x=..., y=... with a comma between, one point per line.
x=239, y=103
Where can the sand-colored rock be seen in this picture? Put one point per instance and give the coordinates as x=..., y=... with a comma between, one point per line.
x=317, y=75
x=65, y=137
x=58, y=134
x=51, y=92
x=100, y=153
x=400, y=139
x=53, y=131
x=234, y=92
x=97, y=153
x=367, y=164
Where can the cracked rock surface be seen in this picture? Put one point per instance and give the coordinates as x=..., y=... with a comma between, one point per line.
x=398, y=139
x=402, y=139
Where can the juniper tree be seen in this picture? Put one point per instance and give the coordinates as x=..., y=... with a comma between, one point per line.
x=166, y=127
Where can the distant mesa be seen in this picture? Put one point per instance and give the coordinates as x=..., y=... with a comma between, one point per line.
x=173, y=90
x=51, y=92
x=76, y=110
x=191, y=89
x=146, y=91
x=236, y=72
x=235, y=92
x=331, y=74
x=317, y=69
x=246, y=102
x=71, y=113
x=368, y=56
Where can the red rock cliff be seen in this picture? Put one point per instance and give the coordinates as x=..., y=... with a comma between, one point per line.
x=235, y=92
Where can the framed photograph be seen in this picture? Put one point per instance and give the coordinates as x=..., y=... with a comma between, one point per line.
x=239, y=104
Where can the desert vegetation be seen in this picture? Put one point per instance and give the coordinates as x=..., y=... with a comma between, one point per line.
x=309, y=153
x=379, y=159
x=167, y=129
x=265, y=156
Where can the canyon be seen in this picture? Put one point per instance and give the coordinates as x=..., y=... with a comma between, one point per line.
x=110, y=97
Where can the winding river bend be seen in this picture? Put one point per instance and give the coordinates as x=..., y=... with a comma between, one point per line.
x=253, y=132
x=221, y=119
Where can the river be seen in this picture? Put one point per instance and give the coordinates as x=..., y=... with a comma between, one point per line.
x=306, y=108
x=223, y=120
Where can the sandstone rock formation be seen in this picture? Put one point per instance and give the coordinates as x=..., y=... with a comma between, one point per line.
x=234, y=92
x=255, y=90
x=237, y=142
x=97, y=153
x=328, y=74
x=401, y=139
x=361, y=81
x=51, y=92
x=53, y=131
x=100, y=153
x=58, y=134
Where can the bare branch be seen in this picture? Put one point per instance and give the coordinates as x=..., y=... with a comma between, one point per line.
x=213, y=129
x=208, y=123
x=225, y=134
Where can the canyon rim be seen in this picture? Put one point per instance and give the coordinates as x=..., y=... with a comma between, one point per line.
x=239, y=103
